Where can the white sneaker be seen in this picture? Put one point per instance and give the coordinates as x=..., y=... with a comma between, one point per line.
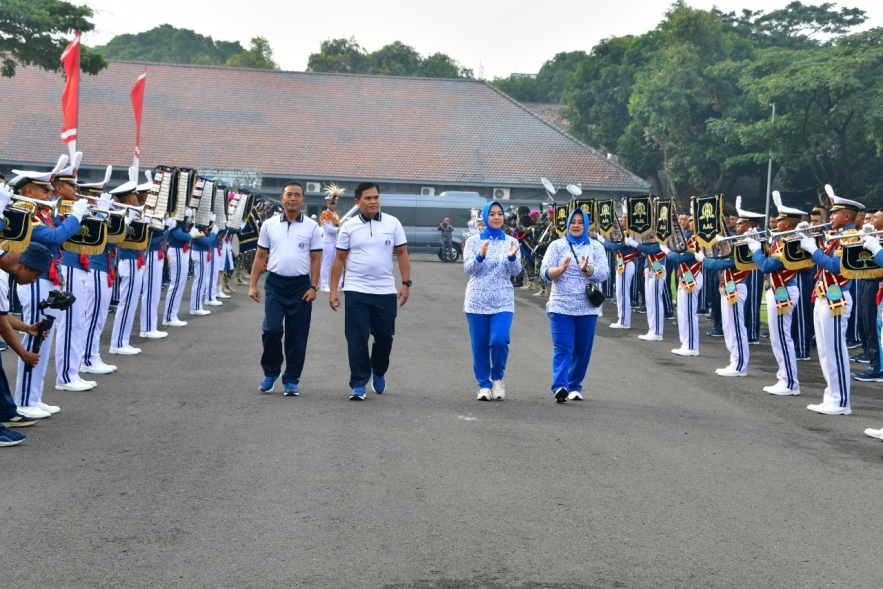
x=651, y=337
x=33, y=412
x=326, y=289
x=499, y=390
x=829, y=409
x=50, y=409
x=74, y=385
x=575, y=396
x=125, y=351
x=221, y=295
x=175, y=323
x=155, y=334
x=99, y=368
x=91, y=383
x=685, y=352
x=484, y=394
x=729, y=372
x=200, y=312
x=781, y=390
x=875, y=433
x=213, y=303
x=619, y=325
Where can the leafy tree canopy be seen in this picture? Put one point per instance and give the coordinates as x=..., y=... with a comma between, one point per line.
x=548, y=85
x=346, y=56
x=259, y=55
x=167, y=44
x=35, y=32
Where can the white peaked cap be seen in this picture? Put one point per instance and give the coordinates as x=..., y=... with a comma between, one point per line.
x=783, y=210
x=98, y=186
x=147, y=185
x=838, y=202
x=746, y=214
x=131, y=185
x=69, y=174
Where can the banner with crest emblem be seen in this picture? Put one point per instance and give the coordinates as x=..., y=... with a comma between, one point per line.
x=708, y=218
x=638, y=215
x=606, y=216
x=663, y=221
x=561, y=212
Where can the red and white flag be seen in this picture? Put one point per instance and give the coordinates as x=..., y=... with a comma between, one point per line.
x=70, y=98
x=138, y=105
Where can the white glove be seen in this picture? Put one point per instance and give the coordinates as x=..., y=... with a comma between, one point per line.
x=868, y=228
x=872, y=244
x=665, y=249
x=601, y=238
x=188, y=213
x=105, y=203
x=801, y=227
x=241, y=227
x=170, y=223
x=631, y=242
x=752, y=244
x=80, y=208
x=214, y=229
x=131, y=215
x=700, y=257
x=212, y=217
x=808, y=244
x=227, y=224
x=5, y=195
x=194, y=232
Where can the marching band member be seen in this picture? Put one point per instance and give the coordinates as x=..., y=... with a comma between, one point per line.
x=832, y=307
x=227, y=262
x=131, y=275
x=783, y=296
x=625, y=254
x=655, y=285
x=329, y=220
x=50, y=231
x=179, y=246
x=200, y=254
x=151, y=288
x=872, y=244
x=213, y=263
x=689, y=286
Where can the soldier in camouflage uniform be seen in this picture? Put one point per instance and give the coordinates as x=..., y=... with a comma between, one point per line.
x=543, y=239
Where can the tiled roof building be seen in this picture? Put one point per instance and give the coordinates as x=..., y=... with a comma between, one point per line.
x=405, y=132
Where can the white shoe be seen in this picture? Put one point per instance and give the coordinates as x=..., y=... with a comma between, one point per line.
x=33, y=412
x=875, y=433
x=325, y=289
x=498, y=390
x=829, y=409
x=484, y=394
x=91, y=383
x=729, y=372
x=74, y=385
x=175, y=323
x=154, y=334
x=125, y=351
x=781, y=390
x=221, y=295
x=685, y=352
x=619, y=325
x=651, y=337
x=99, y=368
x=213, y=303
x=200, y=312
x=50, y=409
x=575, y=396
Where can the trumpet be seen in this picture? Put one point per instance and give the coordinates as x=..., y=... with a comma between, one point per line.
x=811, y=231
x=48, y=204
x=739, y=238
x=830, y=238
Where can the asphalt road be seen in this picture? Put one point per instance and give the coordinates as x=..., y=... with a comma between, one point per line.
x=177, y=472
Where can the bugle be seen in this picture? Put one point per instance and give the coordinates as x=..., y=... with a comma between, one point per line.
x=739, y=238
x=859, y=235
x=811, y=231
x=48, y=204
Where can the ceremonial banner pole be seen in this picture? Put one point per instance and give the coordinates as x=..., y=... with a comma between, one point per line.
x=137, y=106
x=70, y=97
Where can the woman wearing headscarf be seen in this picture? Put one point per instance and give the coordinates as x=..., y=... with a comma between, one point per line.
x=570, y=263
x=490, y=258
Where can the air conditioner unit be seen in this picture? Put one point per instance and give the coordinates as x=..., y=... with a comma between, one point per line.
x=427, y=191
x=314, y=187
x=501, y=194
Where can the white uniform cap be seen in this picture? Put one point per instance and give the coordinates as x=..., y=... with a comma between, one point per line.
x=746, y=214
x=837, y=202
x=130, y=186
x=783, y=210
x=147, y=185
x=69, y=174
x=98, y=186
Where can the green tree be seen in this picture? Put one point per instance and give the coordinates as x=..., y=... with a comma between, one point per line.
x=549, y=83
x=395, y=59
x=35, y=32
x=340, y=56
x=439, y=65
x=796, y=25
x=259, y=56
x=167, y=44
x=346, y=56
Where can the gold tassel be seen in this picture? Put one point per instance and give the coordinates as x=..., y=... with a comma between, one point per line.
x=79, y=248
x=15, y=246
x=861, y=274
x=116, y=238
x=134, y=245
x=743, y=266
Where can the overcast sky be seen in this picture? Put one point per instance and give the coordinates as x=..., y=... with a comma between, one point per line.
x=496, y=37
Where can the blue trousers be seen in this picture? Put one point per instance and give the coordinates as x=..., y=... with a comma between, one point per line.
x=572, y=338
x=369, y=315
x=8, y=408
x=754, y=286
x=490, y=346
x=802, y=326
x=285, y=313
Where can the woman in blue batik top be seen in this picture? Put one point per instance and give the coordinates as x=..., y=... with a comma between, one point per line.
x=569, y=263
x=490, y=258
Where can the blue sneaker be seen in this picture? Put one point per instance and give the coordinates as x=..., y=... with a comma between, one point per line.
x=378, y=384
x=9, y=437
x=269, y=383
x=291, y=390
x=358, y=394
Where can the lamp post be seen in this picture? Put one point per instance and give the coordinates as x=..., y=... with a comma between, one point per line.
x=769, y=176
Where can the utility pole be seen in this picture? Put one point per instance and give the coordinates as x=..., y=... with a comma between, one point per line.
x=769, y=176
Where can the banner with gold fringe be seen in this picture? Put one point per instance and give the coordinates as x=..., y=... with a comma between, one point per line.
x=639, y=215
x=16, y=234
x=708, y=218
x=90, y=240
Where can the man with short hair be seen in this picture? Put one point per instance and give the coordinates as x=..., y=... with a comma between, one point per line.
x=293, y=243
x=366, y=244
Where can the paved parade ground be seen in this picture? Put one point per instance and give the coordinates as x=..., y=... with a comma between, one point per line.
x=177, y=472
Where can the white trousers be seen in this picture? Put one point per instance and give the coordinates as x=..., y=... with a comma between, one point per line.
x=29, y=383
x=623, y=294
x=214, y=267
x=735, y=332
x=200, y=279
x=654, y=290
x=780, y=337
x=96, y=317
x=833, y=354
x=329, y=251
x=151, y=287
x=130, y=289
x=688, y=316
x=70, y=339
x=178, y=266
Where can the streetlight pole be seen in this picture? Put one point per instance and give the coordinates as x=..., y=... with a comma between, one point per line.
x=769, y=176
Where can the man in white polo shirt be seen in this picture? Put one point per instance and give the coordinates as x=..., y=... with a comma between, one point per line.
x=294, y=245
x=366, y=244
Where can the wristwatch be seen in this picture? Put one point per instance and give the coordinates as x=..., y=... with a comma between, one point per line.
x=316, y=288
x=406, y=283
